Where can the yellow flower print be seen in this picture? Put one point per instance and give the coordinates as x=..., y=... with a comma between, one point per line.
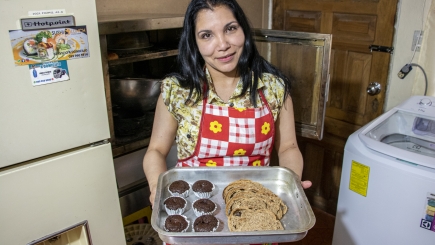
x=256, y=163
x=210, y=163
x=239, y=152
x=216, y=127
x=265, y=128
x=240, y=109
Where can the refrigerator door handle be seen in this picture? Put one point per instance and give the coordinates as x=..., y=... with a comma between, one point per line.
x=98, y=143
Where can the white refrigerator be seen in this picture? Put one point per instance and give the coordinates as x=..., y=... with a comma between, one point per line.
x=57, y=179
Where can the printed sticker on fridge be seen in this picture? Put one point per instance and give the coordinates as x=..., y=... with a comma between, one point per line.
x=39, y=46
x=49, y=72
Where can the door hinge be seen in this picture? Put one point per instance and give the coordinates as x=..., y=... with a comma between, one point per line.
x=378, y=48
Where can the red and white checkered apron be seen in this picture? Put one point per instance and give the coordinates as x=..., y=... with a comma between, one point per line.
x=233, y=137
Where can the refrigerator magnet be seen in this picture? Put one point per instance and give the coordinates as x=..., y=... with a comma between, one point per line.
x=49, y=72
x=40, y=46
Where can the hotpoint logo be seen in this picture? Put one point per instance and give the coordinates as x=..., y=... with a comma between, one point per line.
x=47, y=23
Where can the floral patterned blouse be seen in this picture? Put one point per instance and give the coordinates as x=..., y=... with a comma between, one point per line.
x=188, y=115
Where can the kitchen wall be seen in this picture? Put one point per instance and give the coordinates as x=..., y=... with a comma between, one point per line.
x=410, y=15
x=253, y=8
x=145, y=6
x=427, y=57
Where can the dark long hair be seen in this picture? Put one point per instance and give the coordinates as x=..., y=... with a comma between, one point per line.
x=191, y=64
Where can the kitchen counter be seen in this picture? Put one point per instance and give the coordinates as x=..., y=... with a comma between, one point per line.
x=119, y=23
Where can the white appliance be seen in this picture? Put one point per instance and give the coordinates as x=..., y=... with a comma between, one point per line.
x=57, y=179
x=387, y=189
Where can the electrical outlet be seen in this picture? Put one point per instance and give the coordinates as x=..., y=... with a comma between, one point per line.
x=404, y=71
x=417, y=40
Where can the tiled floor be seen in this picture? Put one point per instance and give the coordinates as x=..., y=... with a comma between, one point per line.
x=321, y=233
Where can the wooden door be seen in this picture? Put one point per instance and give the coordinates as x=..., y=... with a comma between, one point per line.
x=355, y=25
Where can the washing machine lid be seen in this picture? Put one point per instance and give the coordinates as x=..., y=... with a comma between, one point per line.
x=406, y=132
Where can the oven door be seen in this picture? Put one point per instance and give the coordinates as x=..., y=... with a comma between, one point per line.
x=305, y=57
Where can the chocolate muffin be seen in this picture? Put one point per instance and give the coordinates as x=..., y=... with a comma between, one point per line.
x=175, y=205
x=179, y=188
x=203, y=188
x=203, y=206
x=205, y=223
x=176, y=223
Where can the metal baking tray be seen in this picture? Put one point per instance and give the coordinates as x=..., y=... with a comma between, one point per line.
x=282, y=181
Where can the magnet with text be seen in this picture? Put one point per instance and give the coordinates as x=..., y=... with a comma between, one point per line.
x=40, y=46
x=49, y=72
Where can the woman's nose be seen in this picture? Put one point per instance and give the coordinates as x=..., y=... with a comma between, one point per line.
x=223, y=43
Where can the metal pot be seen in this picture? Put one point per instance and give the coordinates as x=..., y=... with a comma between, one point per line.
x=132, y=97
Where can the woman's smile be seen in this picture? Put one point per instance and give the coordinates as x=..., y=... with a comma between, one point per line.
x=227, y=58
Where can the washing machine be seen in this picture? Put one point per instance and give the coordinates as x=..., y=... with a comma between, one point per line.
x=387, y=189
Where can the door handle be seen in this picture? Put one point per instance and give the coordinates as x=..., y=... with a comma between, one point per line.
x=374, y=88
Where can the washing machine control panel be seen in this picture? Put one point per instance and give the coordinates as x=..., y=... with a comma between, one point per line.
x=424, y=105
x=425, y=102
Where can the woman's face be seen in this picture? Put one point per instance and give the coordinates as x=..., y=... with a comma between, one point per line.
x=220, y=39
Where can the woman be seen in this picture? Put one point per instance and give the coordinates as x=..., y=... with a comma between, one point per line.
x=227, y=106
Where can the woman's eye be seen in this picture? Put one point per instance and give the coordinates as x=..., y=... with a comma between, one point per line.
x=205, y=35
x=232, y=28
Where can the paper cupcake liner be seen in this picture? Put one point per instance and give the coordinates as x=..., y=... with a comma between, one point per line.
x=213, y=230
x=184, y=194
x=187, y=227
x=176, y=211
x=204, y=194
x=200, y=213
